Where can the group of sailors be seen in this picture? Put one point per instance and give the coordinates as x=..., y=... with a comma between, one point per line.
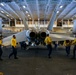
x=67, y=44
x=13, y=44
x=48, y=42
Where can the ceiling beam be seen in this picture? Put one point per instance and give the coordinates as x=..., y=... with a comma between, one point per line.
x=21, y=15
x=5, y=12
x=3, y=16
x=13, y=10
x=66, y=11
x=23, y=8
x=73, y=11
x=61, y=11
x=47, y=6
x=53, y=17
x=16, y=10
x=46, y=9
x=37, y=4
x=29, y=9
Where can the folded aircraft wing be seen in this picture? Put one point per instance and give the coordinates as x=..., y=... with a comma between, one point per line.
x=21, y=36
x=60, y=37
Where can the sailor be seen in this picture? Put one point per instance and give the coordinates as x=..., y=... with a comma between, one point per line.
x=14, y=49
x=1, y=52
x=55, y=44
x=67, y=44
x=48, y=42
x=74, y=49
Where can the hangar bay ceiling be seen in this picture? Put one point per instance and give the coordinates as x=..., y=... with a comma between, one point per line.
x=37, y=9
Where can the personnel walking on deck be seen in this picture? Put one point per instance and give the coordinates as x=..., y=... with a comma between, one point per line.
x=55, y=44
x=74, y=49
x=48, y=42
x=1, y=48
x=14, y=50
x=67, y=46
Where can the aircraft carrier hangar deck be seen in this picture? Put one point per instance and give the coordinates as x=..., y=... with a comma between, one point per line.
x=56, y=17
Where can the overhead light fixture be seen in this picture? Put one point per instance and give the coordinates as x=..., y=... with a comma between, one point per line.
x=7, y=15
x=28, y=15
x=2, y=4
x=26, y=11
x=38, y=19
x=57, y=11
x=29, y=18
x=20, y=18
x=61, y=6
x=24, y=6
x=2, y=12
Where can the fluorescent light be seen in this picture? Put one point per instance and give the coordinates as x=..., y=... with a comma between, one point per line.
x=26, y=11
x=28, y=15
x=20, y=18
x=2, y=4
x=61, y=6
x=57, y=11
x=7, y=15
x=29, y=18
x=24, y=6
x=2, y=12
x=38, y=18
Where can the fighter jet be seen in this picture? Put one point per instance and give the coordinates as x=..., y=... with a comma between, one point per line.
x=33, y=36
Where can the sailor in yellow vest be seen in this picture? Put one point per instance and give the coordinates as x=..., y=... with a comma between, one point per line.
x=1, y=48
x=48, y=42
x=67, y=45
x=14, y=44
x=74, y=49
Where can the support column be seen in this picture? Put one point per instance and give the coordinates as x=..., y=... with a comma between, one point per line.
x=44, y=21
x=24, y=20
x=27, y=22
x=32, y=22
x=38, y=23
x=50, y=26
x=62, y=22
x=68, y=22
x=56, y=23
x=0, y=25
x=21, y=22
x=9, y=22
x=15, y=22
x=74, y=25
